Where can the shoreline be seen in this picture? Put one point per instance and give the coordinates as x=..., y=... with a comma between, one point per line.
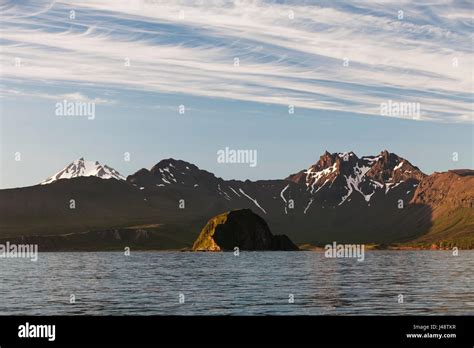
x=315, y=249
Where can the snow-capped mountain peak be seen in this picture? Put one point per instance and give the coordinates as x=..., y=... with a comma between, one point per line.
x=82, y=167
x=345, y=174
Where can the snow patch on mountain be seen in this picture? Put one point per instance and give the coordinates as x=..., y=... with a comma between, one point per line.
x=315, y=176
x=253, y=200
x=391, y=186
x=222, y=192
x=354, y=181
x=283, y=197
x=398, y=166
x=308, y=205
x=371, y=159
x=234, y=191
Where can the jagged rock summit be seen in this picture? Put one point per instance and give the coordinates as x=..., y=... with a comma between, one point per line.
x=243, y=229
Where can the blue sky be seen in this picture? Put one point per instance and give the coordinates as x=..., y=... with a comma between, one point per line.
x=336, y=62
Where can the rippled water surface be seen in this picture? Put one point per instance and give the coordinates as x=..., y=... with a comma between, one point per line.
x=254, y=283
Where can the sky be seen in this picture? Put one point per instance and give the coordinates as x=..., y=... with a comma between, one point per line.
x=236, y=68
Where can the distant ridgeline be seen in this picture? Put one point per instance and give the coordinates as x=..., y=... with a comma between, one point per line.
x=382, y=200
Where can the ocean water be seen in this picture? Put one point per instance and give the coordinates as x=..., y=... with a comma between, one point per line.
x=253, y=283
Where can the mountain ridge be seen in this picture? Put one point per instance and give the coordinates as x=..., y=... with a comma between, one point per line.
x=371, y=199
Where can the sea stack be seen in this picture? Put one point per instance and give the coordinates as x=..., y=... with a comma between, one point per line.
x=243, y=229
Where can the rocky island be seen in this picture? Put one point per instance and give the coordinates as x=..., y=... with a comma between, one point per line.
x=243, y=229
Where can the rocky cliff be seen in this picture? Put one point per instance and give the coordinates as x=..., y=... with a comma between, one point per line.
x=243, y=229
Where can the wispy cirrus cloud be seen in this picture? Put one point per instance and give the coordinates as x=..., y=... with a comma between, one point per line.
x=73, y=97
x=345, y=56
